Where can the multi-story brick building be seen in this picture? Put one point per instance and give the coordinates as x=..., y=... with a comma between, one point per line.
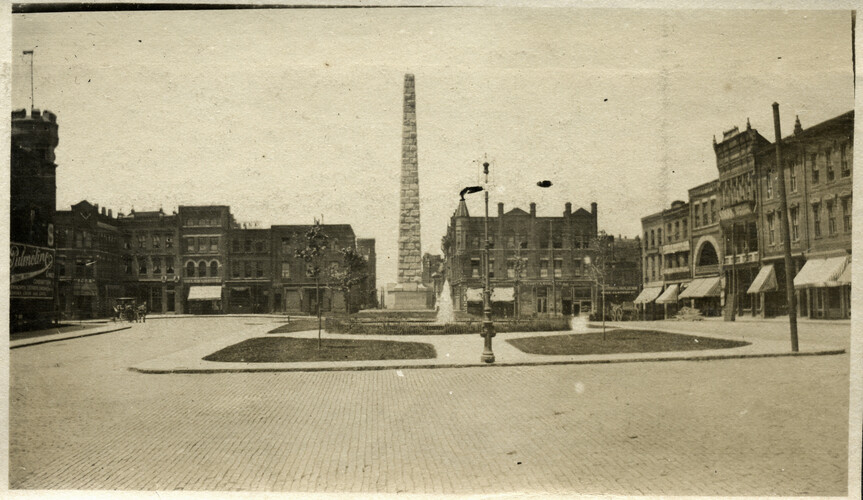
x=203, y=236
x=536, y=263
x=667, y=258
x=151, y=269
x=33, y=194
x=704, y=291
x=89, y=259
x=294, y=284
x=249, y=284
x=818, y=185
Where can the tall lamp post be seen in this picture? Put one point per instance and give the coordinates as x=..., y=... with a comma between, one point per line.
x=487, y=324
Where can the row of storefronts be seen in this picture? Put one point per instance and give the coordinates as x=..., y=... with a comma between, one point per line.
x=732, y=227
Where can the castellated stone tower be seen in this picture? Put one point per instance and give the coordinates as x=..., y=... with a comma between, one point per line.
x=409, y=292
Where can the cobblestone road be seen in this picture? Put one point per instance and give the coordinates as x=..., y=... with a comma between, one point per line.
x=80, y=420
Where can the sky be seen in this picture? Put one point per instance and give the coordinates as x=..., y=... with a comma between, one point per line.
x=287, y=115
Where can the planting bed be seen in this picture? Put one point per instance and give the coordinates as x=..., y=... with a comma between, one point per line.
x=619, y=341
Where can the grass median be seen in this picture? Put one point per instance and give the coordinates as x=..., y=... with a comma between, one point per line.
x=295, y=350
x=619, y=341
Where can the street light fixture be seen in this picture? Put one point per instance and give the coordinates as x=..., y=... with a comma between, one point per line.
x=487, y=324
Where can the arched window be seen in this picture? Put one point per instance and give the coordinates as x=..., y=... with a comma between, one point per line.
x=202, y=269
x=214, y=268
x=190, y=268
x=707, y=256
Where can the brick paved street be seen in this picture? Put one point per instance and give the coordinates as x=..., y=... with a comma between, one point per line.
x=79, y=419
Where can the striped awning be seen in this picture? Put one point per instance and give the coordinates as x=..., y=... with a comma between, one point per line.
x=765, y=281
x=818, y=273
x=669, y=296
x=845, y=278
x=648, y=295
x=702, y=288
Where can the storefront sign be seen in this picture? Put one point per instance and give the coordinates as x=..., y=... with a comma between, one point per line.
x=31, y=274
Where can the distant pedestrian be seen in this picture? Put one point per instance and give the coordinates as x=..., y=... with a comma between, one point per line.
x=142, y=312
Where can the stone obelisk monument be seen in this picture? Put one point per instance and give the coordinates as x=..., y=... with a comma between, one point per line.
x=409, y=292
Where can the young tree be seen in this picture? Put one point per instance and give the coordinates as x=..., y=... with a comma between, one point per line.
x=352, y=272
x=599, y=263
x=313, y=254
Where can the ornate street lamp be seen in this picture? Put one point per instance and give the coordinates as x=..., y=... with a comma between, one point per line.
x=487, y=324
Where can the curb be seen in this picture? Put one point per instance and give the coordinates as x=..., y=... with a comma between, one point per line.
x=46, y=341
x=502, y=365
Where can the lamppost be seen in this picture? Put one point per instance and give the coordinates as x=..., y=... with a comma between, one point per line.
x=487, y=324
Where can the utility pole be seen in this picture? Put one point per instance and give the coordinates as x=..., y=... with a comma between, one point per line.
x=786, y=237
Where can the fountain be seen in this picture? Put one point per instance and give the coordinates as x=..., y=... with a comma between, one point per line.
x=445, y=314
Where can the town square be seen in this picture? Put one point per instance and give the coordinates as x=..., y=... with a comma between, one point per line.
x=456, y=251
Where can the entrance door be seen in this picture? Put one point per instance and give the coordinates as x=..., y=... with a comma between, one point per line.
x=155, y=304
x=170, y=298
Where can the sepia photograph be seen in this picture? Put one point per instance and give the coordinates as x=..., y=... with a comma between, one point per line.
x=440, y=250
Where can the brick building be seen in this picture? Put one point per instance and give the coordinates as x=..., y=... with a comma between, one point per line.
x=250, y=271
x=151, y=269
x=537, y=263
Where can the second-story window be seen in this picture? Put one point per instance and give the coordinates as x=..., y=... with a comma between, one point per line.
x=474, y=268
x=214, y=269
x=157, y=265
x=142, y=266
x=676, y=230
x=770, y=229
x=712, y=212
x=795, y=223
x=659, y=237
x=828, y=164
x=831, y=219
x=214, y=244
x=843, y=160
x=846, y=214
x=190, y=269
x=169, y=265
x=558, y=268
x=543, y=268
x=190, y=244
x=142, y=240
x=813, y=167
x=816, y=219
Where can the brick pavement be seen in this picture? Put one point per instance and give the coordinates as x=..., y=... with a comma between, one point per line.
x=80, y=420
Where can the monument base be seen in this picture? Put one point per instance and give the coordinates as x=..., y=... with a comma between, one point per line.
x=408, y=297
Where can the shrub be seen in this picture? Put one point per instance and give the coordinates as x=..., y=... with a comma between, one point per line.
x=354, y=326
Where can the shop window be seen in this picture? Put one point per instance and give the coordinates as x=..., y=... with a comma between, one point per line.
x=214, y=269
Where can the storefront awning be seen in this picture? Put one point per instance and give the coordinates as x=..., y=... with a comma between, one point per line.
x=702, y=288
x=497, y=295
x=845, y=278
x=821, y=272
x=669, y=296
x=648, y=295
x=765, y=281
x=85, y=290
x=205, y=293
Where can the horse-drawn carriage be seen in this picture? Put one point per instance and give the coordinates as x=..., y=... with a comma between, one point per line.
x=128, y=309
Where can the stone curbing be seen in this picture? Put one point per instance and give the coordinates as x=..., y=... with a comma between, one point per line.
x=454, y=351
x=16, y=344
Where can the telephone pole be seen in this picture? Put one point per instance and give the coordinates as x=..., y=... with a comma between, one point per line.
x=786, y=237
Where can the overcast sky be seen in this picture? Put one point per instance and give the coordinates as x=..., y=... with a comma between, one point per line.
x=289, y=114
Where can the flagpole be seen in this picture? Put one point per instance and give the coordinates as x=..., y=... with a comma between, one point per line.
x=32, y=106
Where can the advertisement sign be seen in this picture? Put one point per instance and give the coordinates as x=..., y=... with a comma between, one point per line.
x=31, y=275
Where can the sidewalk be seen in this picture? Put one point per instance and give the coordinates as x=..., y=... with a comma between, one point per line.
x=44, y=339
x=464, y=350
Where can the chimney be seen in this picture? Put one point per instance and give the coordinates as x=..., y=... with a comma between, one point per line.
x=568, y=211
x=500, y=209
x=533, y=209
x=593, y=209
x=104, y=212
x=96, y=207
x=110, y=214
